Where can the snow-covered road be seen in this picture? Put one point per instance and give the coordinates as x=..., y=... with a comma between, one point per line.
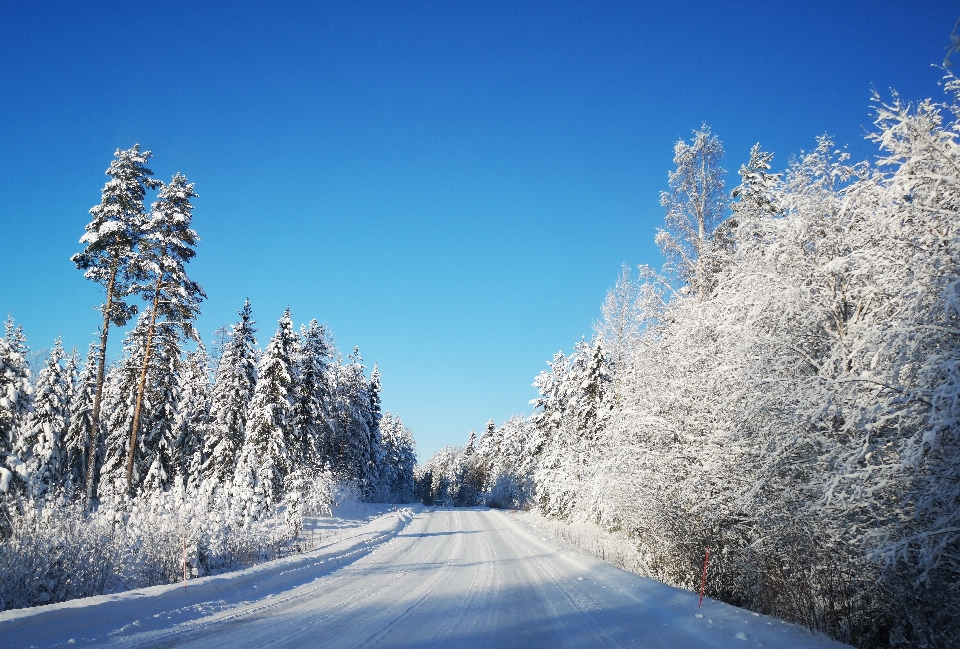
x=415, y=579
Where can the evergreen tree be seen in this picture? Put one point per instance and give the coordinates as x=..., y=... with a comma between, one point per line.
x=192, y=416
x=15, y=395
x=166, y=247
x=399, y=460
x=354, y=426
x=42, y=442
x=15, y=401
x=233, y=387
x=111, y=239
x=155, y=461
x=265, y=461
x=310, y=411
x=81, y=420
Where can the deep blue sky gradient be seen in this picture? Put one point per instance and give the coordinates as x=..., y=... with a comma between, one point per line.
x=450, y=186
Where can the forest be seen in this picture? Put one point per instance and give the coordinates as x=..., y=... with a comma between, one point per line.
x=106, y=468
x=784, y=391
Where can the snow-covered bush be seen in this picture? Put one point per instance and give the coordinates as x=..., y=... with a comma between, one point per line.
x=56, y=551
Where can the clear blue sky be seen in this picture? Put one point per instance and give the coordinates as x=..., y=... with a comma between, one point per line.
x=452, y=186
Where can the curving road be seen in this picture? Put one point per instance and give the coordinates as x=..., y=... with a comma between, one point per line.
x=437, y=578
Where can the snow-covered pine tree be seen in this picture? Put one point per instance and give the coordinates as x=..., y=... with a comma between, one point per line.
x=354, y=438
x=15, y=402
x=695, y=206
x=192, y=416
x=167, y=244
x=111, y=239
x=310, y=410
x=233, y=387
x=398, y=460
x=753, y=197
x=264, y=460
x=593, y=401
x=81, y=420
x=44, y=430
x=373, y=415
x=71, y=373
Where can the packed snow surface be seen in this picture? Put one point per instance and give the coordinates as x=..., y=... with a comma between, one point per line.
x=417, y=577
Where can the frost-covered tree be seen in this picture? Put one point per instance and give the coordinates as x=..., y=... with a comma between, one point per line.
x=622, y=321
x=354, y=425
x=75, y=442
x=264, y=460
x=111, y=240
x=310, y=410
x=398, y=461
x=154, y=454
x=166, y=246
x=15, y=401
x=192, y=417
x=234, y=383
x=45, y=428
x=695, y=206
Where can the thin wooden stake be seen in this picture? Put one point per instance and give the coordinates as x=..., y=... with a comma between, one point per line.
x=184, y=536
x=703, y=582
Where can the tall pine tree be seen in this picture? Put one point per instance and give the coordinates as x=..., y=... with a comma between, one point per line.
x=167, y=245
x=111, y=240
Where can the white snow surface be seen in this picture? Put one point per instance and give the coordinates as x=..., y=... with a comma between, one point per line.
x=415, y=578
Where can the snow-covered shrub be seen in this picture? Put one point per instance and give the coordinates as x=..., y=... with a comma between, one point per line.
x=56, y=551
x=52, y=553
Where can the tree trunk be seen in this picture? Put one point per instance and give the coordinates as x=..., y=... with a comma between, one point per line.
x=141, y=387
x=93, y=431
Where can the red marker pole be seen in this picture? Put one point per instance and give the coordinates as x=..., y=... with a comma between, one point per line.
x=184, y=536
x=703, y=582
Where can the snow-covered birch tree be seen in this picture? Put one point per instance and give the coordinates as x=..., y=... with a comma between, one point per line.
x=695, y=206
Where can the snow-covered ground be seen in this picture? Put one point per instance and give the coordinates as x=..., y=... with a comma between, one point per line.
x=415, y=578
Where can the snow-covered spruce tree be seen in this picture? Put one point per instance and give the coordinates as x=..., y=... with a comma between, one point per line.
x=15, y=403
x=576, y=403
x=111, y=239
x=44, y=429
x=354, y=425
x=399, y=459
x=167, y=244
x=264, y=460
x=192, y=417
x=233, y=387
x=312, y=396
x=695, y=206
x=510, y=453
x=373, y=415
x=84, y=387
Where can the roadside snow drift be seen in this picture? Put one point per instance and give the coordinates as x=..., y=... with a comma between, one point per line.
x=415, y=578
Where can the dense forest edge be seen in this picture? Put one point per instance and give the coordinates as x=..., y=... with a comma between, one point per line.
x=112, y=473
x=785, y=390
